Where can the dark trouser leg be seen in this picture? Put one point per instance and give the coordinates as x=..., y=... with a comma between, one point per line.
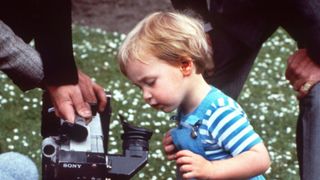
x=233, y=61
x=308, y=135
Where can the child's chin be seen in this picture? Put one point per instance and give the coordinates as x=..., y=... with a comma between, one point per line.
x=167, y=110
x=164, y=109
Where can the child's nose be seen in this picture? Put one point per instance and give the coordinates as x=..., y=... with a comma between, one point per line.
x=146, y=95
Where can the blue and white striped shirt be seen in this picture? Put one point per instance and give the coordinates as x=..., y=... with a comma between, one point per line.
x=225, y=129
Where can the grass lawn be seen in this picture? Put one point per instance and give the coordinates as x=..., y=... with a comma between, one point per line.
x=267, y=98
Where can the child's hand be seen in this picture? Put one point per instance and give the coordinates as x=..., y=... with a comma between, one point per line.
x=168, y=146
x=192, y=165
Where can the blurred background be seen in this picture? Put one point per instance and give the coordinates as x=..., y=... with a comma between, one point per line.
x=99, y=27
x=115, y=15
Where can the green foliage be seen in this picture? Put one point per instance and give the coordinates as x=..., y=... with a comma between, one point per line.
x=272, y=105
x=267, y=98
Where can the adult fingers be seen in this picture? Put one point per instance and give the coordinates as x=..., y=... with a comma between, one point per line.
x=305, y=88
x=65, y=110
x=297, y=84
x=81, y=107
x=86, y=87
x=101, y=95
x=61, y=99
x=302, y=72
x=294, y=63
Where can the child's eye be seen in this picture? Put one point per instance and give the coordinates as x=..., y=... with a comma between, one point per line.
x=150, y=82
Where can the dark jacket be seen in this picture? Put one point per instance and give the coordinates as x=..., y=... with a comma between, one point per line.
x=253, y=21
x=48, y=22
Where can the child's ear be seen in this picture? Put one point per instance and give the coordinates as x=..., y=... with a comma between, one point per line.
x=186, y=66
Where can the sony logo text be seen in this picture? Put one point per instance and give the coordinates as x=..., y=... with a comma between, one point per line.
x=69, y=165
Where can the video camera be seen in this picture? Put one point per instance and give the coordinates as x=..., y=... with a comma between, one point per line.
x=80, y=151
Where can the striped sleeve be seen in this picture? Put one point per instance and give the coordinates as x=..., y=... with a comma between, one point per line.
x=231, y=128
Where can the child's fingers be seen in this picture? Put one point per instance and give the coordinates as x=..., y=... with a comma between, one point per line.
x=180, y=160
x=171, y=156
x=167, y=139
x=187, y=171
x=169, y=148
x=185, y=168
x=184, y=153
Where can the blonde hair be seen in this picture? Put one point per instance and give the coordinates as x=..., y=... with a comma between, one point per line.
x=168, y=36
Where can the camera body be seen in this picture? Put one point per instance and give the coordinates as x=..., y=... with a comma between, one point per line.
x=79, y=151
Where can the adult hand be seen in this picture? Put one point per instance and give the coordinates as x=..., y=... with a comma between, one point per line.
x=168, y=146
x=92, y=92
x=67, y=101
x=70, y=100
x=302, y=72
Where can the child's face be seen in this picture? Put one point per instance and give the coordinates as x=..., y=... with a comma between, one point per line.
x=161, y=83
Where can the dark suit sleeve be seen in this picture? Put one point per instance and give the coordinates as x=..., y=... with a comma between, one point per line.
x=53, y=40
x=19, y=60
x=310, y=20
x=303, y=24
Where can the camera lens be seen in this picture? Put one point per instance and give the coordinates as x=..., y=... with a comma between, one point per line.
x=48, y=150
x=49, y=147
x=135, y=138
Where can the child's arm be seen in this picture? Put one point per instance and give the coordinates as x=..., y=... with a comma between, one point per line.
x=250, y=163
